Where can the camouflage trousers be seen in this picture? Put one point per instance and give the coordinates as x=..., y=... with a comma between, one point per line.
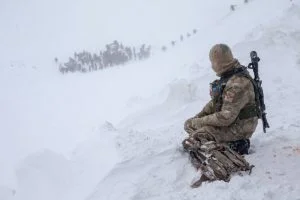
x=210, y=153
x=218, y=134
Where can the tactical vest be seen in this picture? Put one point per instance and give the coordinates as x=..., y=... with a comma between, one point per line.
x=218, y=86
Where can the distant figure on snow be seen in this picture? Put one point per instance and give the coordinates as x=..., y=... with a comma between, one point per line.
x=232, y=7
x=181, y=38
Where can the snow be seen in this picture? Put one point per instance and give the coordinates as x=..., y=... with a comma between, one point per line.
x=116, y=134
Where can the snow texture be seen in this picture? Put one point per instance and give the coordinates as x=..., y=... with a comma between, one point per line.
x=116, y=134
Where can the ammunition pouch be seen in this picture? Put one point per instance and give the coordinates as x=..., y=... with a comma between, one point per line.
x=217, y=161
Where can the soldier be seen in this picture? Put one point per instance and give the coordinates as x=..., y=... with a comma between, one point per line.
x=128, y=53
x=164, y=48
x=181, y=38
x=232, y=7
x=227, y=121
x=134, y=53
x=195, y=31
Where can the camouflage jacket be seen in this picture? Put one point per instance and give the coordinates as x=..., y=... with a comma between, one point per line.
x=237, y=94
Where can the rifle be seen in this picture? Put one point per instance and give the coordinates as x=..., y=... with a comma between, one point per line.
x=259, y=93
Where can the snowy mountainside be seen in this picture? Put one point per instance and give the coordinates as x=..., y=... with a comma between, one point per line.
x=47, y=118
x=116, y=134
x=154, y=168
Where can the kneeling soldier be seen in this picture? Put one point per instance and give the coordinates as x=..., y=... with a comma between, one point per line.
x=221, y=131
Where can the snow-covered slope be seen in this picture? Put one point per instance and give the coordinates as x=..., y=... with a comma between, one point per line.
x=116, y=134
x=154, y=168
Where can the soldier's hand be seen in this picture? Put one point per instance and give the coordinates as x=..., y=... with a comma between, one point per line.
x=188, y=126
x=188, y=143
x=196, y=123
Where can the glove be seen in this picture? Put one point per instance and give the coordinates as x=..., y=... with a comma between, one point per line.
x=188, y=126
x=196, y=123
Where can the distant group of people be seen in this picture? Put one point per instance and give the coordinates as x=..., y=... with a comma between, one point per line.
x=181, y=39
x=233, y=7
x=114, y=54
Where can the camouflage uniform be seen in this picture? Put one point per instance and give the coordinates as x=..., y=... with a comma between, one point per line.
x=225, y=125
x=220, y=123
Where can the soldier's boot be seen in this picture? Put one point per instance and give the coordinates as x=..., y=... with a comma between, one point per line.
x=240, y=146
